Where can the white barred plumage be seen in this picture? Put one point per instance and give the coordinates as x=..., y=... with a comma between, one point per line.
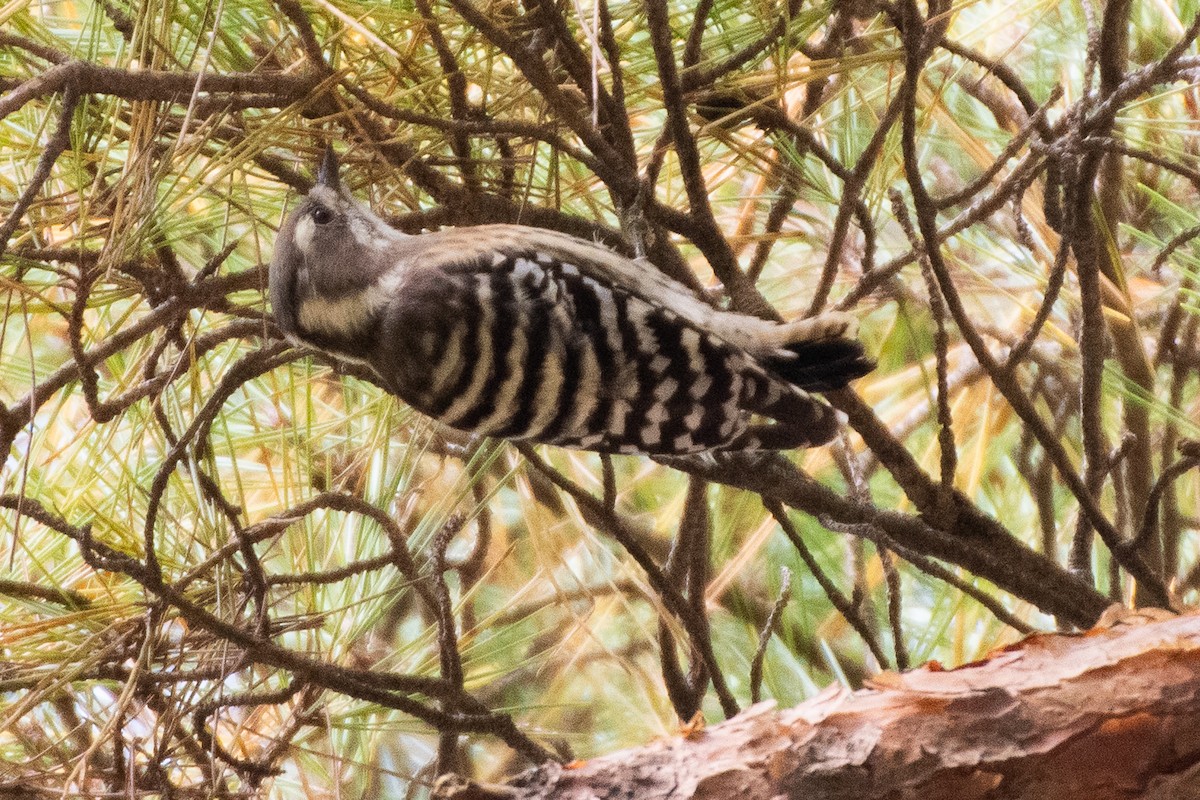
x=527, y=334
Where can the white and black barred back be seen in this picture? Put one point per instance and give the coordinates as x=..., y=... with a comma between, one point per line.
x=520, y=333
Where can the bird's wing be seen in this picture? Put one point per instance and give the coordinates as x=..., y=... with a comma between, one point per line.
x=819, y=353
x=507, y=340
x=472, y=245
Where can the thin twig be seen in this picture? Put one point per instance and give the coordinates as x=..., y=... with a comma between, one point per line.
x=60, y=140
x=596, y=514
x=768, y=630
x=843, y=604
x=707, y=236
x=941, y=350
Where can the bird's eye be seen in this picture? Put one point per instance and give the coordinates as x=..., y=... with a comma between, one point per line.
x=322, y=215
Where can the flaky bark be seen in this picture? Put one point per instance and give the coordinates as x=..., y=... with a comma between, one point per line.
x=1113, y=713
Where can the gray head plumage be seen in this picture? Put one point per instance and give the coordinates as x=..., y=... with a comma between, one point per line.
x=329, y=252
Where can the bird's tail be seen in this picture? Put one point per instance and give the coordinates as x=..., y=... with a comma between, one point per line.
x=819, y=354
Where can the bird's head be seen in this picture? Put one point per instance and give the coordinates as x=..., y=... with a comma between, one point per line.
x=329, y=255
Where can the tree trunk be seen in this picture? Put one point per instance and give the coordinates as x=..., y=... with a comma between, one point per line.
x=1111, y=713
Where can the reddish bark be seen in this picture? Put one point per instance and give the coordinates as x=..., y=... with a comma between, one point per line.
x=1110, y=714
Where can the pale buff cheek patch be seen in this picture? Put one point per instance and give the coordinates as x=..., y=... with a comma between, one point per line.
x=343, y=316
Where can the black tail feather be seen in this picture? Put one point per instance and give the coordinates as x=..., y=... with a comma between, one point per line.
x=822, y=365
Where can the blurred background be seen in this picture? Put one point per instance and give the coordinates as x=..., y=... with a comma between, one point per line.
x=232, y=568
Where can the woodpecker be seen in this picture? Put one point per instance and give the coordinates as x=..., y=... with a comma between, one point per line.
x=538, y=336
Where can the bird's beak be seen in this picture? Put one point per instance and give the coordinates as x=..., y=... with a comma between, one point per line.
x=327, y=173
